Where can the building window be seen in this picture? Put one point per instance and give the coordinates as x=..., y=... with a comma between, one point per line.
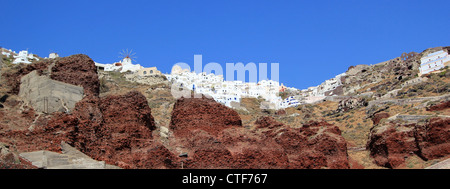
x=145, y=72
x=151, y=71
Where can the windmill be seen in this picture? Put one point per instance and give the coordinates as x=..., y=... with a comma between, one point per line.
x=127, y=57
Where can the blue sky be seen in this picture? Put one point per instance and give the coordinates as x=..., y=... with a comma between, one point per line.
x=311, y=40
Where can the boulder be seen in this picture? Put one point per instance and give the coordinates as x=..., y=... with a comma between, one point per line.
x=77, y=70
x=314, y=145
x=202, y=113
x=351, y=103
x=390, y=143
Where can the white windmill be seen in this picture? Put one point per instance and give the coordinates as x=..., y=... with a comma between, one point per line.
x=127, y=61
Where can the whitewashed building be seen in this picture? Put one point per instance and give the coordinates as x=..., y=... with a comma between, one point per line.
x=123, y=66
x=289, y=102
x=226, y=92
x=53, y=55
x=433, y=62
x=6, y=52
x=24, y=57
x=325, y=88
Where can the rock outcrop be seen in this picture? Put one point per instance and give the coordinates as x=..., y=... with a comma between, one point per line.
x=351, y=103
x=77, y=70
x=440, y=106
x=12, y=79
x=433, y=138
x=390, y=143
x=202, y=114
x=10, y=160
x=211, y=135
x=114, y=129
x=312, y=146
x=379, y=116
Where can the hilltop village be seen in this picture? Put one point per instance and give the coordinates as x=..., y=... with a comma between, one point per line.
x=230, y=93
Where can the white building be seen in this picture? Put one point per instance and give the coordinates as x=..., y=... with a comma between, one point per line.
x=24, y=57
x=289, y=102
x=53, y=55
x=123, y=66
x=323, y=88
x=7, y=52
x=226, y=92
x=433, y=62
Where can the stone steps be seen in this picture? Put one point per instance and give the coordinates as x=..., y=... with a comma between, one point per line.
x=71, y=158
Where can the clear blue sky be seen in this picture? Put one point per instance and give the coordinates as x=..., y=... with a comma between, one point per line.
x=311, y=40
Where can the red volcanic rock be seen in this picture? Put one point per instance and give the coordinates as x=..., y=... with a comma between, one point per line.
x=202, y=113
x=379, y=116
x=77, y=70
x=127, y=126
x=433, y=138
x=267, y=122
x=213, y=137
x=253, y=150
x=314, y=145
x=390, y=143
x=128, y=111
x=204, y=151
x=441, y=106
x=114, y=129
x=12, y=79
x=280, y=112
x=10, y=160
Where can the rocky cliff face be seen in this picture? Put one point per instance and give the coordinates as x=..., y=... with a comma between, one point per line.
x=382, y=77
x=440, y=106
x=221, y=142
x=314, y=145
x=202, y=114
x=12, y=79
x=390, y=143
x=114, y=129
x=77, y=70
x=351, y=103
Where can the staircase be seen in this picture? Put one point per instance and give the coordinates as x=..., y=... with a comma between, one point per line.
x=69, y=159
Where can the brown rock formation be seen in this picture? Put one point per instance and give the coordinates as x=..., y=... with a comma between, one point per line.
x=390, y=143
x=213, y=137
x=12, y=79
x=115, y=129
x=351, y=103
x=314, y=145
x=379, y=116
x=441, y=106
x=433, y=138
x=77, y=70
x=10, y=160
x=202, y=113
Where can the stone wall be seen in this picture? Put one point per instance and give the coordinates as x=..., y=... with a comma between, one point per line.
x=47, y=95
x=402, y=102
